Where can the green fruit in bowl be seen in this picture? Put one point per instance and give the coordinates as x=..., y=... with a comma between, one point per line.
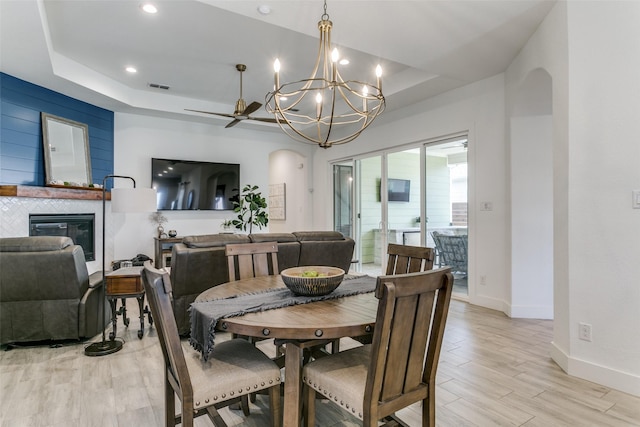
x=310, y=273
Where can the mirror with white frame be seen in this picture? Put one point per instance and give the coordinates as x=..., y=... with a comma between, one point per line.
x=66, y=151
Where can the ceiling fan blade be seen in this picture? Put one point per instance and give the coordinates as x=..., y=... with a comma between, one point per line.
x=209, y=112
x=232, y=123
x=263, y=119
x=251, y=108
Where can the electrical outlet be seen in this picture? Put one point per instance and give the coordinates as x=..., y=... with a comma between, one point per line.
x=584, y=333
x=483, y=280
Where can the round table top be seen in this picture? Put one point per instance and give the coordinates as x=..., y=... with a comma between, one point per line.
x=347, y=316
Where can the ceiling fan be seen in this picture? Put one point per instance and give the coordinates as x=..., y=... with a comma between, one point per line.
x=242, y=110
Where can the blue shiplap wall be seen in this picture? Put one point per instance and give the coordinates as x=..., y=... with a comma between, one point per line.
x=21, y=152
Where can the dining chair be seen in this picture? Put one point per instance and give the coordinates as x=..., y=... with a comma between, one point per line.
x=234, y=369
x=248, y=260
x=374, y=381
x=404, y=259
x=408, y=259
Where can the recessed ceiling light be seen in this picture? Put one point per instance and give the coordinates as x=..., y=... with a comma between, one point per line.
x=264, y=9
x=149, y=8
x=344, y=61
x=131, y=69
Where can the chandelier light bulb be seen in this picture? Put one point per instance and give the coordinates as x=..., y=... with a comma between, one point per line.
x=319, y=105
x=276, y=68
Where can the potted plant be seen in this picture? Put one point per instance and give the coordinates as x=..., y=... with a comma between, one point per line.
x=251, y=209
x=226, y=225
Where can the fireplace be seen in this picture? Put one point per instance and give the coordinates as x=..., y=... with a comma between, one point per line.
x=80, y=227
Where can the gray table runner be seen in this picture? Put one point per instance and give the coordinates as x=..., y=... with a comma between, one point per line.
x=206, y=314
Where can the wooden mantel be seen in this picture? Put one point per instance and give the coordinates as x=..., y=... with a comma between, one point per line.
x=52, y=192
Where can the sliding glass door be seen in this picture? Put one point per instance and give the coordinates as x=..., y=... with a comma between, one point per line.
x=404, y=197
x=446, y=206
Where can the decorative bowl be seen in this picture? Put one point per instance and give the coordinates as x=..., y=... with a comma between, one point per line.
x=328, y=279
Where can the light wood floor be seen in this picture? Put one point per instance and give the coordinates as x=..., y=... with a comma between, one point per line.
x=493, y=371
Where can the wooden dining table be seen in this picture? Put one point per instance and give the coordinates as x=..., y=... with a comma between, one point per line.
x=301, y=325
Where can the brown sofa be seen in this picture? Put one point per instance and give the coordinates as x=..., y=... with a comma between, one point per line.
x=46, y=292
x=199, y=262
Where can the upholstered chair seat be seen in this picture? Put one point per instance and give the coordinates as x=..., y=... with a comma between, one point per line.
x=236, y=368
x=341, y=377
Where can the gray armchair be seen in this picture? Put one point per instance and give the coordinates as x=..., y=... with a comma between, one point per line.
x=46, y=292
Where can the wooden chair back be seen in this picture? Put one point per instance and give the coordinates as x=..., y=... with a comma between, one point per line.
x=157, y=286
x=248, y=260
x=238, y=361
x=404, y=259
x=410, y=324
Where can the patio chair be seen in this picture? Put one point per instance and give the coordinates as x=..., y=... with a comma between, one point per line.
x=452, y=251
x=234, y=369
x=374, y=381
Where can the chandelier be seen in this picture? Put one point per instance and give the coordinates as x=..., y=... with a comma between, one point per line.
x=324, y=109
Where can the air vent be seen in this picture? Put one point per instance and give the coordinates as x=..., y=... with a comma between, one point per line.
x=159, y=86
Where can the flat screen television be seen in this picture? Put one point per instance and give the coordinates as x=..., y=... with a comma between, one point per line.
x=398, y=190
x=195, y=185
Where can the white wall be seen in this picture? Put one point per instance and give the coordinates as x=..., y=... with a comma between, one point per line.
x=479, y=110
x=292, y=169
x=604, y=167
x=139, y=138
x=531, y=217
x=596, y=166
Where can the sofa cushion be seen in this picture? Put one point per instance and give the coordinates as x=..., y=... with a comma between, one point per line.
x=272, y=237
x=214, y=240
x=34, y=244
x=318, y=236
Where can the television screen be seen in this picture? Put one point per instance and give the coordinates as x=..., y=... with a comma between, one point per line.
x=398, y=190
x=194, y=185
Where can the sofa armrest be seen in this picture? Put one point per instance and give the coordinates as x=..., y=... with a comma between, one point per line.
x=95, y=279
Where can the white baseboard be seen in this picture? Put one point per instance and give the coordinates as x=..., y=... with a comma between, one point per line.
x=622, y=381
x=531, y=312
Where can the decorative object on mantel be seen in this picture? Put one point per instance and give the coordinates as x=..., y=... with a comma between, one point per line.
x=349, y=106
x=250, y=208
x=66, y=152
x=173, y=233
x=123, y=200
x=159, y=218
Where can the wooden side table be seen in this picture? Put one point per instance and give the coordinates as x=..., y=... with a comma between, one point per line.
x=162, y=252
x=126, y=283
